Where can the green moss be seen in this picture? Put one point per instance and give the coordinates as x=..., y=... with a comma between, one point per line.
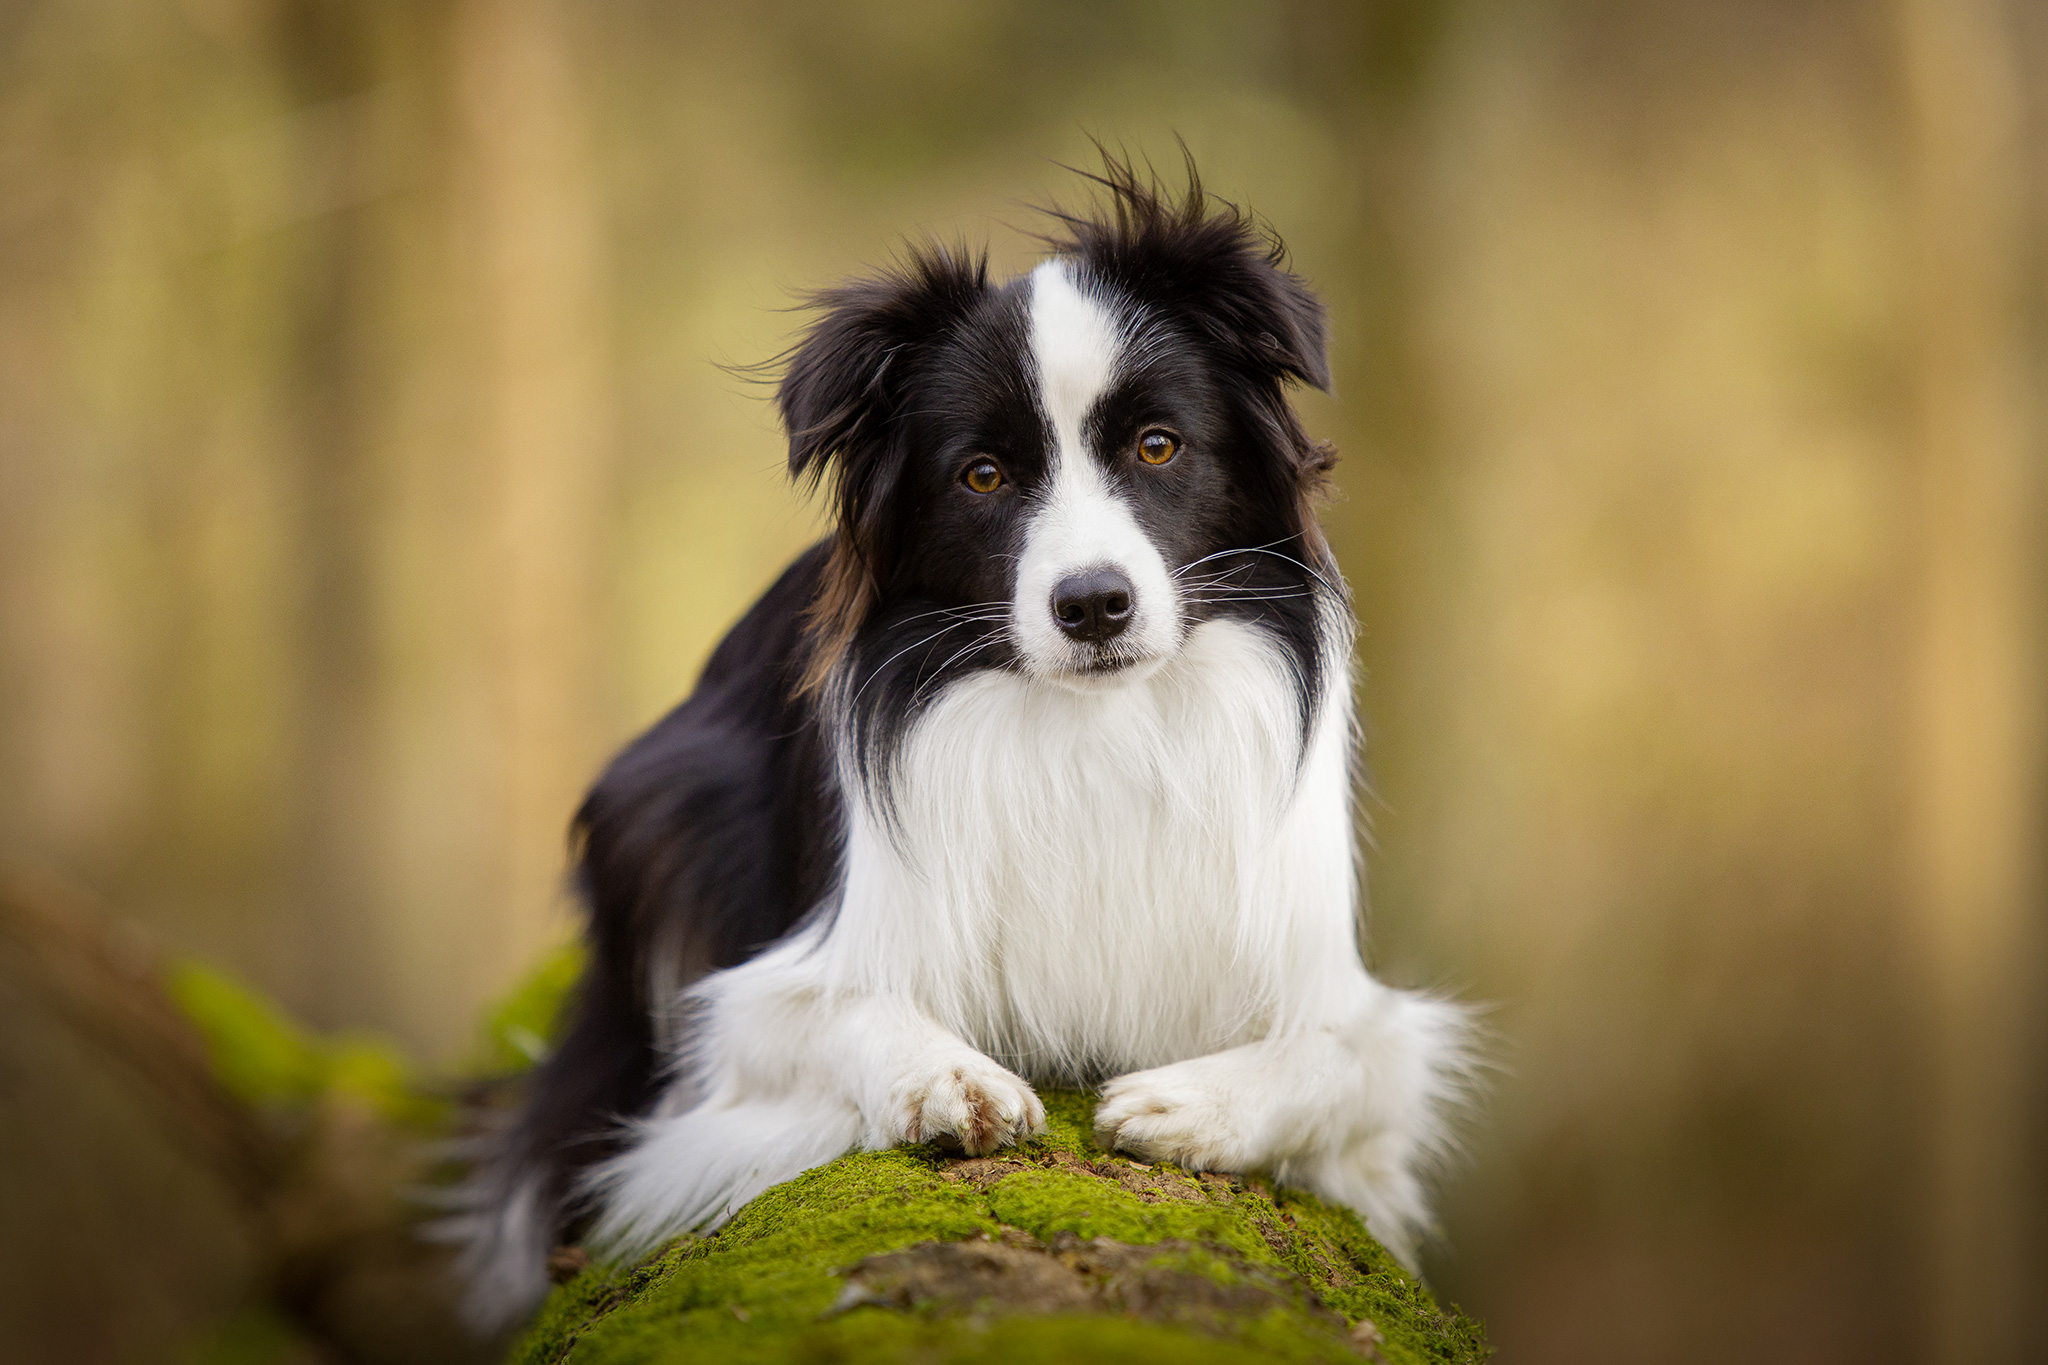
x=262, y=1056
x=519, y=1029
x=269, y=1061
x=765, y=1287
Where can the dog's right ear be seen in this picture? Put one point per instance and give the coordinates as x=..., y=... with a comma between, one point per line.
x=844, y=383
x=840, y=397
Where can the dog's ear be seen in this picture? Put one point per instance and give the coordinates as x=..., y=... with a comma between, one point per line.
x=841, y=395
x=844, y=383
x=1252, y=304
x=1205, y=261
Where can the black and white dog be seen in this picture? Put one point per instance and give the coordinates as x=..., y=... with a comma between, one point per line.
x=1039, y=769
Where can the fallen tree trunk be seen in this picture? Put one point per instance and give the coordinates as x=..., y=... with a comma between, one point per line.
x=1051, y=1252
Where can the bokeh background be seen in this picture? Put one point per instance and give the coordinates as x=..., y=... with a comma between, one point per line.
x=368, y=472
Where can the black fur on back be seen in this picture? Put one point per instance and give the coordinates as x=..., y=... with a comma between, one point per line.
x=709, y=837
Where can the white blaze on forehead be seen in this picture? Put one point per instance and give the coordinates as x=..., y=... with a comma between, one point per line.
x=1074, y=340
x=1082, y=522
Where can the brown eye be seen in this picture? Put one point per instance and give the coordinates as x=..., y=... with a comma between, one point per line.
x=982, y=476
x=1157, y=447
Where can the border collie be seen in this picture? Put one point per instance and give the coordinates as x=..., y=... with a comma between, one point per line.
x=1037, y=770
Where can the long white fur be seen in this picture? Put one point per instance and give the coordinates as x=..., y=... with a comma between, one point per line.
x=1149, y=877
x=501, y=1235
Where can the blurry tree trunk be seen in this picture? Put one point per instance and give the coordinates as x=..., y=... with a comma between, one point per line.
x=528, y=214
x=1978, y=813
x=456, y=454
x=329, y=54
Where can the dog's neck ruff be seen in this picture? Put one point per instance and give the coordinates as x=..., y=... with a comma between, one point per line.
x=1049, y=871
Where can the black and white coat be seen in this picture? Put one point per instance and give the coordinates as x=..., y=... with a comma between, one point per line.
x=1039, y=770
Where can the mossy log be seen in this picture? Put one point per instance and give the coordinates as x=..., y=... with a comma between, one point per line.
x=1054, y=1251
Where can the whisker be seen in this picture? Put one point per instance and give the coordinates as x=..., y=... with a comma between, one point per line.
x=1305, y=568
x=956, y=611
x=1219, y=580
x=958, y=654
x=1248, y=595
x=1229, y=602
x=1225, y=554
x=1266, y=549
x=881, y=667
x=1222, y=573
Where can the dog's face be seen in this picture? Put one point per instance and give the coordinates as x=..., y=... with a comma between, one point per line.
x=1067, y=472
x=1065, y=460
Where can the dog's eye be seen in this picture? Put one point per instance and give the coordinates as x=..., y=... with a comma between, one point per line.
x=983, y=476
x=1157, y=447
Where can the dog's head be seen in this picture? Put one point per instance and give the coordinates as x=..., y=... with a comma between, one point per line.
x=1066, y=472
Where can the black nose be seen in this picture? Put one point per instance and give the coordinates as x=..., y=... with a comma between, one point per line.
x=1093, y=605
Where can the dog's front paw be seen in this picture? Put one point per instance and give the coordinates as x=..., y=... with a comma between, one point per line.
x=1182, y=1113
x=966, y=1101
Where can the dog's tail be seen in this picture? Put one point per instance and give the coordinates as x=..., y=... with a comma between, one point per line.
x=699, y=844
x=690, y=1172
x=521, y=1197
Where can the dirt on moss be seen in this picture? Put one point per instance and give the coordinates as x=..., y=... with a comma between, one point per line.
x=1053, y=1251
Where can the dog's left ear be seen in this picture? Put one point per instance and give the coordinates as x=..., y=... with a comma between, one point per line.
x=1205, y=261
x=1254, y=306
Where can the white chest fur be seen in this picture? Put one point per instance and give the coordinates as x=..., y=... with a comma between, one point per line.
x=1085, y=883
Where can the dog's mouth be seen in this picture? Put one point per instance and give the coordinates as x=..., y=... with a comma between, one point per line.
x=1101, y=668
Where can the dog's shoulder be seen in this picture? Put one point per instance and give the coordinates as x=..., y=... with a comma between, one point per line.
x=704, y=833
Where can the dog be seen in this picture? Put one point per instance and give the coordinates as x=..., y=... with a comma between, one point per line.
x=1038, y=770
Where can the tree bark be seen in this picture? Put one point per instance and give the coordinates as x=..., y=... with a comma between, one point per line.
x=1977, y=806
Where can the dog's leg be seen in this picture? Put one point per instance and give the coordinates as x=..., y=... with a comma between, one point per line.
x=1351, y=1106
x=907, y=1078
x=786, y=1075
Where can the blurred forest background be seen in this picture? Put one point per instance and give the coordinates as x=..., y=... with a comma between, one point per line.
x=367, y=474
